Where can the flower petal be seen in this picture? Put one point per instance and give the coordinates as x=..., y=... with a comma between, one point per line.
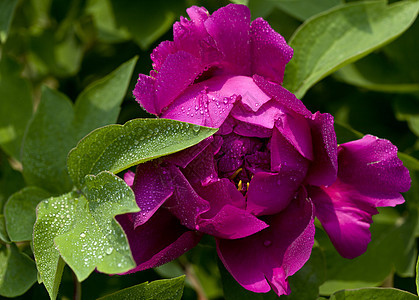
x=152, y=187
x=269, y=50
x=229, y=26
x=160, y=53
x=129, y=178
x=371, y=165
x=185, y=203
x=178, y=71
x=265, y=117
x=282, y=95
x=158, y=241
x=345, y=217
x=269, y=257
x=323, y=169
x=145, y=94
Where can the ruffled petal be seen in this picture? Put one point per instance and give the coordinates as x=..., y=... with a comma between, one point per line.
x=178, y=71
x=266, y=259
x=161, y=52
x=282, y=96
x=160, y=240
x=250, y=130
x=372, y=167
x=152, y=186
x=184, y=157
x=269, y=50
x=345, y=217
x=145, y=93
x=324, y=167
x=229, y=26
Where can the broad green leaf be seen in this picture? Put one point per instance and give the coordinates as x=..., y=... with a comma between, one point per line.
x=372, y=294
x=165, y=289
x=304, y=9
x=305, y=283
x=17, y=271
x=392, y=246
x=411, y=196
x=20, y=212
x=57, y=126
x=11, y=180
x=15, y=104
x=55, y=216
x=343, y=35
x=146, y=21
x=407, y=109
x=118, y=147
x=7, y=10
x=96, y=240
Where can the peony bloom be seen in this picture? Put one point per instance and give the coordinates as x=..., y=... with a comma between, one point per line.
x=258, y=183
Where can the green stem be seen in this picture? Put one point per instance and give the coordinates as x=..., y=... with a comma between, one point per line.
x=76, y=288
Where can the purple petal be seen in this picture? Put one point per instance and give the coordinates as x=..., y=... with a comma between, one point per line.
x=227, y=217
x=269, y=50
x=161, y=52
x=371, y=165
x=266, y=259
x=323, y=169
x=266, y=116
x=178, y=71
x=345, y=217
x=158, y=241
x=145, y=94
x=184, y=157
x=152, y=187
x=281, y=95
x=295, y=129
x=229, y=26
x=185, y=203
x=246, y=129
x=129, y=178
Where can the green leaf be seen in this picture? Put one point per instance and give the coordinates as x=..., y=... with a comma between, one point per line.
x=116, y=147
x=15, y=104
x=165, y=289
x=304, y=9
x=20, y=212
x=96, y=239
x=55, y=216
x=82, y=230
x=146, y=21
x=57, y=126
x=343, y=35
x=17, y=271
x=372, y=294
x=3, y=233
x=7, y=10
x=346, y=134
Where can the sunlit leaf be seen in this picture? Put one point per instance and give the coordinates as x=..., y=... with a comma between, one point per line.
x=373, y=293
x=166, y=289
x=343, y=35
x=116, y=147
x=7, y=9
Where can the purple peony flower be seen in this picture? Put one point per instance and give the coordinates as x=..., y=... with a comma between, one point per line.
x=258, y=183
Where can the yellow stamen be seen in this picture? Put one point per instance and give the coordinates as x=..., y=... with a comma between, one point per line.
x=235, y=174
x=240, y=185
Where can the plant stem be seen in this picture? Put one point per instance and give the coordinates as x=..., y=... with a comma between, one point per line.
x=76, y=287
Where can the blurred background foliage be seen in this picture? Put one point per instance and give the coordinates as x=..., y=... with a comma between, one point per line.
x=66, y=45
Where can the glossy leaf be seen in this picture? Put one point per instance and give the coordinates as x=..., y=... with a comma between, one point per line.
x=373, y=293
x=7, y=9
x=15, y=104
x=304, y=9
x=96, y=240
x=82, y=230
x=20, y=212
x=343, y=35
x=116, y=147
x=17, y=271
x=57, y=126
x=55, y=216
x=165, y=289
x=3, y=232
